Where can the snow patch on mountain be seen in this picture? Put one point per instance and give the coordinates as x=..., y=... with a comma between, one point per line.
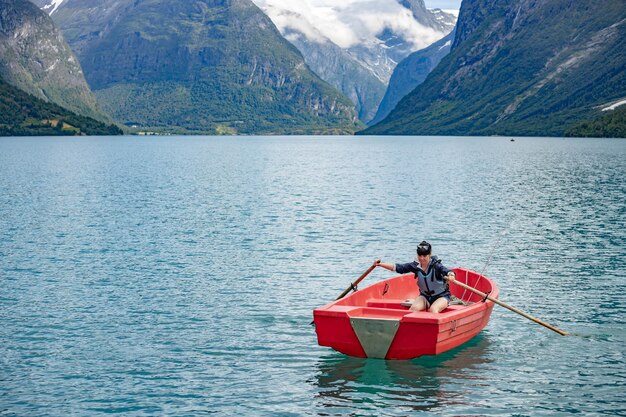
x=52, y=6
x=614, y=105
x=454, y=12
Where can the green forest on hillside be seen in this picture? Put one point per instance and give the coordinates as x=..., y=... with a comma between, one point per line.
x=611, y=125
x=206, y=67
x=22, y=114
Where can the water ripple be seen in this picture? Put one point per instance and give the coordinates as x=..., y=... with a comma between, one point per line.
x=176, y=276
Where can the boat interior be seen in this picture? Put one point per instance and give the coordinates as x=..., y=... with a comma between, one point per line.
x=392, y=298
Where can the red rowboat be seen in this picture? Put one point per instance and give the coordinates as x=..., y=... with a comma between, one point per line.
x=375, y=322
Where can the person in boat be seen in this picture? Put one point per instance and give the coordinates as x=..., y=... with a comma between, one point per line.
x=430, y=272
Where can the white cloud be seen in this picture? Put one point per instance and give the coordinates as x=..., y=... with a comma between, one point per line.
x=348, y=22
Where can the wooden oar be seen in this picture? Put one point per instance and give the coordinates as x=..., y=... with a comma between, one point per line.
x=505, y=305
x=353, y=285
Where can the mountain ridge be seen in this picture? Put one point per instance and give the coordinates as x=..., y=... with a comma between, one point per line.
x=520, y=68
x=410, y=73
x=362, y=70
x=337, y=67
x=35, y=58
x=203, y=66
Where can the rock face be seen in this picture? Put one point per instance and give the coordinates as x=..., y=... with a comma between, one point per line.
x=523, y=67
x=35, y=58
x=410, y=73
x=435, y=19
x=199, y=66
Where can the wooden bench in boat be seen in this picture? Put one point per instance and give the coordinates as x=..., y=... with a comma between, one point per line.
x=403, y=304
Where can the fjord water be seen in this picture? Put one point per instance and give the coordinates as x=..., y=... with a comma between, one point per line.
x=177, y=275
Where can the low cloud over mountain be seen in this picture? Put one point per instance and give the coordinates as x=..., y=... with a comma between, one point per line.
x=349, y=22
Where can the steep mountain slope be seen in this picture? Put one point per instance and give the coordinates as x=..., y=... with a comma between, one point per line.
x=199, y=66
x=355, y=49
x=337, y=67
x=22, y=114
x=410, y=73
x=35, y=58
x=523, y=67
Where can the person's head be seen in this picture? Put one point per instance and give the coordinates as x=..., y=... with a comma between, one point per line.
x=424, y=250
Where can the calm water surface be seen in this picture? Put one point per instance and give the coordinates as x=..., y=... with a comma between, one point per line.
x=177, y=276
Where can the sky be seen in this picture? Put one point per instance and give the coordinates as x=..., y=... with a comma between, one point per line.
x=350, y=22
x=431, y=4
x=443, y=4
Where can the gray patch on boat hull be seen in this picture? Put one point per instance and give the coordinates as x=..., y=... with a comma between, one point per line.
x=375, y=335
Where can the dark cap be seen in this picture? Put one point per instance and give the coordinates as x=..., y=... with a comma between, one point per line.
x=424, y=248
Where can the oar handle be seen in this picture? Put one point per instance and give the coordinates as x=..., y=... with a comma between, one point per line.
x=505, y=305
x=355, y=283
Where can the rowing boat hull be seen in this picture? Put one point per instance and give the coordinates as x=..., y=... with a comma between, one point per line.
x=372, y=322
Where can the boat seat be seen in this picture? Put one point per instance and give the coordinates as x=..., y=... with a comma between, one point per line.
x=403, y=304
x=399, y=303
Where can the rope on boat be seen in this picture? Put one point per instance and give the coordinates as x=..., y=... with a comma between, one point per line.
x=456, y=301
x=464, y=291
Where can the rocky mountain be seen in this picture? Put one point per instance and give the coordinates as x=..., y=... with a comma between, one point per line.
x=337, y=67
x=436, y=18
x=199, y=66
x=22, y=114
x=382, y=54
x=521, y=67
x=410, y=73
x=362, y=66
x=35, y=58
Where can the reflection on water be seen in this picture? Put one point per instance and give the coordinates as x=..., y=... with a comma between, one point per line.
x=420, y=385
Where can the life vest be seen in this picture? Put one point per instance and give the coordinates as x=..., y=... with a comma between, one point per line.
x=430, y=282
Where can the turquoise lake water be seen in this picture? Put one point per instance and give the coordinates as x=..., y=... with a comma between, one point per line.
x=177, y=275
